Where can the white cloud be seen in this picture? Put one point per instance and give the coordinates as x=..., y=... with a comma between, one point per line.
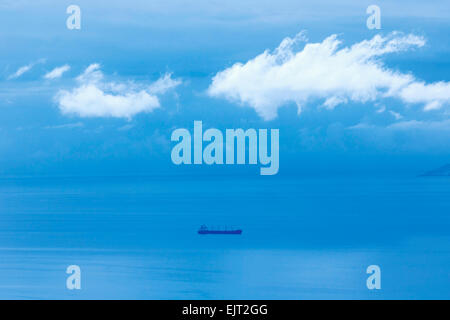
x=20, y=71
x=95, y=97
x=334, y=101
x=396, y=115
x=381, y=109
x=326, y=72
x=436, y=125
x=57, y=72
x=126, y=127
x=433, y=95
x=162, y=85
x=407, y=125
x=66, y=126
x=24, y=69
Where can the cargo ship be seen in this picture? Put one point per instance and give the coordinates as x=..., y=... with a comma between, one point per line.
x=204, y=230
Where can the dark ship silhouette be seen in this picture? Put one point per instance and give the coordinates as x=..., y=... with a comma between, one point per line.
x=204, y=230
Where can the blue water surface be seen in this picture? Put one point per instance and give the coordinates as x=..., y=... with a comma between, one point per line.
x=303, y=238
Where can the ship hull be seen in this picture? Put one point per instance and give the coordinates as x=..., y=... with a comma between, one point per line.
x=235, y=232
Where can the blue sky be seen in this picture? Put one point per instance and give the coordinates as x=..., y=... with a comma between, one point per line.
x=377, y=124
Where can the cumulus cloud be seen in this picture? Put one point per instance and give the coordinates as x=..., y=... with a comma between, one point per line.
x=95, y=97
x=57, y=72
x=326, y=73
x=433, y=95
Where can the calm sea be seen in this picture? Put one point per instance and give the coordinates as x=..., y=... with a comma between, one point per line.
x=303, y=238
